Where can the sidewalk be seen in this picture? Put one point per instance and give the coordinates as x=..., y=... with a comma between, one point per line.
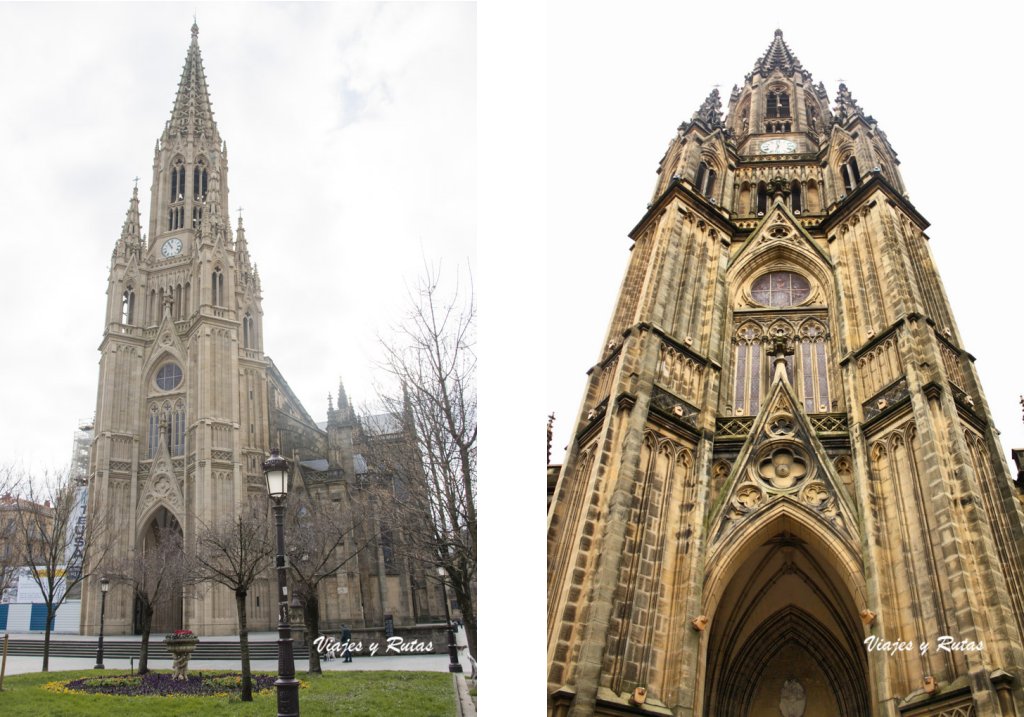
x=20, y=664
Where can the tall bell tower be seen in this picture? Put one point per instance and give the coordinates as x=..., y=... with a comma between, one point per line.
x=181, y=414
x=784, y=456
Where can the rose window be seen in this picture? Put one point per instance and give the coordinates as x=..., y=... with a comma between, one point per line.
x=782, y=469
x=780, y=288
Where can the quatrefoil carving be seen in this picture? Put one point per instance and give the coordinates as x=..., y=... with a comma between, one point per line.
x=783, y=468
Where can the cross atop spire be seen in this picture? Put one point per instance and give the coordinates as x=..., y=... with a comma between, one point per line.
x=192, y=113
x=778, y=56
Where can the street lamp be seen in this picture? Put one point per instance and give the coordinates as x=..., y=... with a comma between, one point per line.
x=453, y=651
x=104, y=586
x=275, y=469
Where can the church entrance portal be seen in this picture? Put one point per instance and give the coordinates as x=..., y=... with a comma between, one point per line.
x=168, y=614
x=785, y=638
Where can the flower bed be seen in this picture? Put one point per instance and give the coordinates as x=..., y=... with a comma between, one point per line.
x=216, y=684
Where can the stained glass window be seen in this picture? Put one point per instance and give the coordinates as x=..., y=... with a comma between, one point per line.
x=780, y=288
x=168, y=377
x=154, y=428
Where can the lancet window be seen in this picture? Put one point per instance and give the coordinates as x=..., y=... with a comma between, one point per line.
x=218, y=287
x=778, y=104
x=796, y=198
x=200, y=180
x=128, y=306
x=705, y=179
x=813, y=354
x=176, y=211
x=178, y=181
x=178, y=429
x=748, y=369
x=248, y=332
x=154, y=429
x=851, y=174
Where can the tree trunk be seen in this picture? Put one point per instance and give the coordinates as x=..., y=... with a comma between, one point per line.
x=46, y=638
x=243, y=643
x=311, y=615
x=462, y=588
x=147, y=624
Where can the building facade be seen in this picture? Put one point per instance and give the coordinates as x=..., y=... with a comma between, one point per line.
x=784, y=460
x=189, y=404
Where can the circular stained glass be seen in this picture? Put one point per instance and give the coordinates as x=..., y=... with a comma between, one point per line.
x=780, y=288
x=168, y=377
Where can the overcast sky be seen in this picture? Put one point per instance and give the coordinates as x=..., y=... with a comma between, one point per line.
x=351, y=133
x=938, y=87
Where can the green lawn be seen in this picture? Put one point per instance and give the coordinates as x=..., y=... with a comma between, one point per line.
x=369, y=694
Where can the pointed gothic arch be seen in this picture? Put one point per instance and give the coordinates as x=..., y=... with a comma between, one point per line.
x=783, y=592
x=169, y=612
x=217, y=286
x=128, y=306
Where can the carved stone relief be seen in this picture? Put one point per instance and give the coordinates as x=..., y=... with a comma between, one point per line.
x=781, y=467
x=793, y=699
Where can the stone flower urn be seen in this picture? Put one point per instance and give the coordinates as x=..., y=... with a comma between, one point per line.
x=181, y=643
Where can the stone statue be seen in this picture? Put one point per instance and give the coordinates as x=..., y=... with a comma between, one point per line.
x=793, y=699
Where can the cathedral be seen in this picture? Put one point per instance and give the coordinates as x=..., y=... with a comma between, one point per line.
x=189, y=404
x=784, y=493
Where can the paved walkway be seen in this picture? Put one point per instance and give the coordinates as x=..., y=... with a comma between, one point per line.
x=18, y=664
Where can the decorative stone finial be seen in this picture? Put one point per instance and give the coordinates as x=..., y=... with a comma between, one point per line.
x=710, y=112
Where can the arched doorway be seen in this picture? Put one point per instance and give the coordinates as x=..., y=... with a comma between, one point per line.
x=785, y=637
x=167, y=615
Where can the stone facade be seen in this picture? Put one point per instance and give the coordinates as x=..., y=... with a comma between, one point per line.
x=784, y=449
x=189, y=404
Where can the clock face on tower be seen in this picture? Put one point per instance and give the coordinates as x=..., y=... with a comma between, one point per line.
x=171, y=247
x=778, y=146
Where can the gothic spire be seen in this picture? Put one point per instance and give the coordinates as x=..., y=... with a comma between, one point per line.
x=710, y=112
x=344, y=413
x=846, y=106
x=131, y=236
x=192, y=114
x=342, y=396
x=242, y=247
x=778, y=56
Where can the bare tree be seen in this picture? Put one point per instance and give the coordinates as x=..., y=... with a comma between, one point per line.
x=433, y=496
x=10, y=536
x=318, y=529
x=234, y=553
x=157, y=572
x=47, y=510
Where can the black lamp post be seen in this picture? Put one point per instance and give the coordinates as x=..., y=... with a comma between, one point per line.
x=453, y=650
x=104, y=586
x=275, y=469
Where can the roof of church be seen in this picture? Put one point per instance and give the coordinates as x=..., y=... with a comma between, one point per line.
x=380, y=424
x=779, y=56
x=316, y=464
x=193, y=112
